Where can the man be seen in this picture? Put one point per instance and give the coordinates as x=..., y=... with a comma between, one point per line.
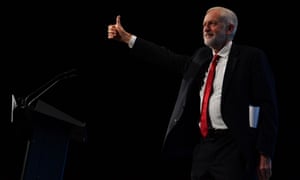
x=237, y=146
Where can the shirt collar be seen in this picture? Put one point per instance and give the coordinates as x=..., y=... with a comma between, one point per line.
x=225, y=50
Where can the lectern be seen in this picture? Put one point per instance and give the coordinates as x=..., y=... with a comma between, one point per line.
x=49, y=133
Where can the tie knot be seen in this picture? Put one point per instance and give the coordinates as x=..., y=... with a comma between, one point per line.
x=216, y=57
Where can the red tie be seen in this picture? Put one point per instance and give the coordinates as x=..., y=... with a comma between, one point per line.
x=207, y=92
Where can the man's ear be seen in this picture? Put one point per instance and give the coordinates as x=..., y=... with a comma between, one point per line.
x=230, y=28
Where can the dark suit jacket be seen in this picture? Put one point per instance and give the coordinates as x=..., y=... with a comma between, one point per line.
x=248, y=80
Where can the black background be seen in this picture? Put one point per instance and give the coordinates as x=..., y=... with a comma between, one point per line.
x=127, y=103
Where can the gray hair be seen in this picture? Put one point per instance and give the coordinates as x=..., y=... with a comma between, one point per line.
x=228, y=16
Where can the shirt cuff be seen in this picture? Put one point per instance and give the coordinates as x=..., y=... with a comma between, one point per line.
x=132, y=41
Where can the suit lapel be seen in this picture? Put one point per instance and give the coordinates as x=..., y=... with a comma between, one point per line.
x=230, y=67
x=201, y=62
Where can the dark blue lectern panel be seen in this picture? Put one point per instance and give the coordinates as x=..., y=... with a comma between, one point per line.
x=46, y=152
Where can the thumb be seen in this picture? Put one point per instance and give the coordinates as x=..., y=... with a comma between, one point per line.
x=118, y=20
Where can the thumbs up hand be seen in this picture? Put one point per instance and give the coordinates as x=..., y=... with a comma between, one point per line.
x=117, y=32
